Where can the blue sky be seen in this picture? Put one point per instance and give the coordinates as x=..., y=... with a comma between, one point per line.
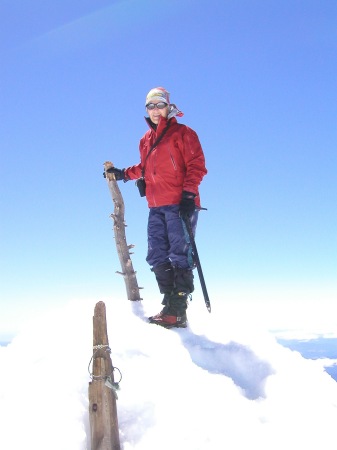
x=256, y=79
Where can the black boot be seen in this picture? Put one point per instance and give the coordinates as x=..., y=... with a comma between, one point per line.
x=183, y=280
x=165, y=278
x=174, y=312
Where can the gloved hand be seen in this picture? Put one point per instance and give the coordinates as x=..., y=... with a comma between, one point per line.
x=187, y=204
x=119, y=173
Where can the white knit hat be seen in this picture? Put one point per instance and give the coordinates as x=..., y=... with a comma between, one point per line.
x=158, y=93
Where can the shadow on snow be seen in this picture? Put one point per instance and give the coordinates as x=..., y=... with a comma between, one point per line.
x=233, y=360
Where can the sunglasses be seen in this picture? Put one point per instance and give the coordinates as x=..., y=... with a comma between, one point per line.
x=160, y=105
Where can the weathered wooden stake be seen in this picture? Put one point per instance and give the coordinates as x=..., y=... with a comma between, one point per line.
x=102, y=399
x=123, y=249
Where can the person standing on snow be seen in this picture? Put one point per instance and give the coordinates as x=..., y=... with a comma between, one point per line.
x=171, y=167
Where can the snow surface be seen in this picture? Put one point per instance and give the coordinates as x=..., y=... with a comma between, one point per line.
x=222, y=383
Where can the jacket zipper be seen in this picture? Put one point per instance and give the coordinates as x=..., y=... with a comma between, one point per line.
x=173, y=162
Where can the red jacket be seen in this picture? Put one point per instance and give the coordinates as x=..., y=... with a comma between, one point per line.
x=177, y=164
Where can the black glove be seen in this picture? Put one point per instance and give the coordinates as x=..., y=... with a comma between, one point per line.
x=187, y=204
x=119, y=173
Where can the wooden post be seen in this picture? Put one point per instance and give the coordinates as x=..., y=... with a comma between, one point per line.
x=123, y=249
x=102, y=399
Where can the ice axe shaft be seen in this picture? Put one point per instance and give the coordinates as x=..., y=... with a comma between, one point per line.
x=197, y=262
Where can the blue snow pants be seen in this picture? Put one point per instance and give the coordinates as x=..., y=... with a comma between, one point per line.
x=168, y=240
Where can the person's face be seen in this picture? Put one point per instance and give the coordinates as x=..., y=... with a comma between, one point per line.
x=160, y=110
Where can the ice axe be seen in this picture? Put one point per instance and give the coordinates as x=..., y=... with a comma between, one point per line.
x=187, y=222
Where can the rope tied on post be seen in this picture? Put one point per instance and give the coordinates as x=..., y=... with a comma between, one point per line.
x=108, y=380
x=100, y=346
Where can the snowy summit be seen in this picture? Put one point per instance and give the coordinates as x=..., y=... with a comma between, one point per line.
x=219, y=383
